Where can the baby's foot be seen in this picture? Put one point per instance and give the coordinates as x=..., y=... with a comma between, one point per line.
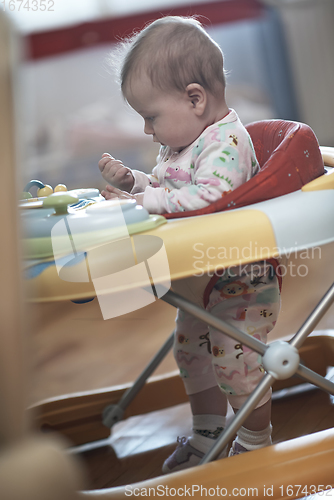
x=248, y=440
x=236, y=449
x=185, y=456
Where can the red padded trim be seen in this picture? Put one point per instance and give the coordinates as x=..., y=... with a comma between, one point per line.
x=210, y=286
x=289, y=157
x=275, y=263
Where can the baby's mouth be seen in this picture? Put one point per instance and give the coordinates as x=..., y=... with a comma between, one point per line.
x=155, y=139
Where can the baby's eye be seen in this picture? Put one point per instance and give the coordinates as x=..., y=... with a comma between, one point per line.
x=150, y=118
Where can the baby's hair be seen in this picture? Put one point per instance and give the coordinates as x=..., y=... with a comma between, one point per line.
x=174, y=52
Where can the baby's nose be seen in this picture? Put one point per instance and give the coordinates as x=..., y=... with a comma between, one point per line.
x=148, y=129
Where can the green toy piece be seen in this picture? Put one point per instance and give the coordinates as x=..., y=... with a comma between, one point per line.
x=59, y=201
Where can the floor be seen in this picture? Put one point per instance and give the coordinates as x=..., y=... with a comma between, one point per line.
x=138, y=447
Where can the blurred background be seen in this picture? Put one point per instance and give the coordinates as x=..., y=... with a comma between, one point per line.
x=279, y=55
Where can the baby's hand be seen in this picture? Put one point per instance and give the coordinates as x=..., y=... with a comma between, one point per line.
x=110, y=193
x=117, y=174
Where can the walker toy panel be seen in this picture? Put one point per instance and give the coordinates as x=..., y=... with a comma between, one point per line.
x=265, y=230
x=90, y=220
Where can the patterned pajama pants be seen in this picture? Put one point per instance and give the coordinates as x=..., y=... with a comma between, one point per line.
x=247, y=298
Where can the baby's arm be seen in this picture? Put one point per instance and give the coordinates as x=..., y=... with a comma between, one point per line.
x=219, y=169
x=115, y=173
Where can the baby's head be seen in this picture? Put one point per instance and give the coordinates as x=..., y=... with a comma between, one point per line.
x=174, y=52
x=173, y=76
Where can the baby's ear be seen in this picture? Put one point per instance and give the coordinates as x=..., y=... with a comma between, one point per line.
x=197, y=97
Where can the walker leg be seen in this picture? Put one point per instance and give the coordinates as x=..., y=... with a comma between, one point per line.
x=279, y=372
x=114, y=413
x=245, y=410
x=315, y=379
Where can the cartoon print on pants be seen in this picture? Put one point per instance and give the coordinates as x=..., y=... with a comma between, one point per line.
x=206, y=342
x=234, y=289
x=227, y=389
x=182, y=339
x=218, y=352
x=240, y=314
x=219, y=370
x=258, y=313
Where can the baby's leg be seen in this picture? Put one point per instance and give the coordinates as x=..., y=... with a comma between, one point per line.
x=251, y=304
x=255, y=432
x=211, y=401
x=192, y=351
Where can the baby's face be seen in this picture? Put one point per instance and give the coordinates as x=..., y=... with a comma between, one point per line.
x=168, y=116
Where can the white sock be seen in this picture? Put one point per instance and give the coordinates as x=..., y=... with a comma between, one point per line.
x=251, y=440
x=206, y=429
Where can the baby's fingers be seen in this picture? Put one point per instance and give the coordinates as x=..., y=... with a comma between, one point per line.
x=103, y=162
x=108, y=196
x=113, y=190
x=108, y=155
x=110, y=192
x=117, y=193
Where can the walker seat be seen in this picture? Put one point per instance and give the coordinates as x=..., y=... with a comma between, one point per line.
x=289, y=157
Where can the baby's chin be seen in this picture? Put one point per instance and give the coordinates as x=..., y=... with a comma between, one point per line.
x=178, y=149
x=174, y=149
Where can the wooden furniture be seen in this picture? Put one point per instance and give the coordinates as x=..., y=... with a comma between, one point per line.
x=32, y=466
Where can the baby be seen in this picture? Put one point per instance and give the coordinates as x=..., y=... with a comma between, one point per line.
x=173, y=76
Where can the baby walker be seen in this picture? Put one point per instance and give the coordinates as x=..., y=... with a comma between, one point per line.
x=59, y=248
